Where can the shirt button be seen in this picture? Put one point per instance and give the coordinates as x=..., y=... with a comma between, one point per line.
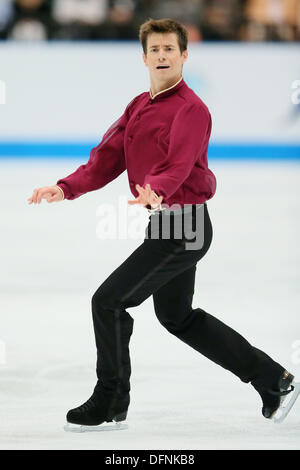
x=130, y=137
x=138, y=117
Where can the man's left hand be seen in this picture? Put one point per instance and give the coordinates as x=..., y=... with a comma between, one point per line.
x=146, y=197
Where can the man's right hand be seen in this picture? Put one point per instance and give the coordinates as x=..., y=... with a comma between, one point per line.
x=50, y=193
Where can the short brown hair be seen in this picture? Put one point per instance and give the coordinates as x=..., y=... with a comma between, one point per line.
x=164, y=25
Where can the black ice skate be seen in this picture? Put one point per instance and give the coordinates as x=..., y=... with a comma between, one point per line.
x=273, y=398
x=99, y=409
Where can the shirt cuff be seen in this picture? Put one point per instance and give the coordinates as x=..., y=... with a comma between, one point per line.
x=63, y=194
x=152, y=210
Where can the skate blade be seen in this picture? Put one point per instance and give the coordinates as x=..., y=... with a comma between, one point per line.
x=289, y=401
x=70, y=427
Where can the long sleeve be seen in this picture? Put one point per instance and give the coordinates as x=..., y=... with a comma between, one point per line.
x=106, y=162
x=189, y=135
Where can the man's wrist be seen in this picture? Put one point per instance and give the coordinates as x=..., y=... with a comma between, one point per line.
x=155, y=207
x=152, y=209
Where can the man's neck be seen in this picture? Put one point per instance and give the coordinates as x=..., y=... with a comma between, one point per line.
x=158, y=87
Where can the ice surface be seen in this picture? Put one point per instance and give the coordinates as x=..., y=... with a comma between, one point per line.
x=52, y=262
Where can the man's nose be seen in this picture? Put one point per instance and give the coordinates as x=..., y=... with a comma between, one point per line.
x=161, y=54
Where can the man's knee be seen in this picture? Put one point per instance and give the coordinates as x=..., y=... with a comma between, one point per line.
x=106, y=310
x=103, y=301
x=174, y=323
x=106, y=300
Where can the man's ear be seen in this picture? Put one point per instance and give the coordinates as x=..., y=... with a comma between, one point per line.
x=185, y=55
x=144, y=58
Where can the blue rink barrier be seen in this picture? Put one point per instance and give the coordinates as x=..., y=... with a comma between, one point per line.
x=220, y=151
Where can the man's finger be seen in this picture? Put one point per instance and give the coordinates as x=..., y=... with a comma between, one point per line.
x=140, y=188
x=50, y=198
x=41, y=195
x=149, y=191
x=34, y=195
x=37, y=195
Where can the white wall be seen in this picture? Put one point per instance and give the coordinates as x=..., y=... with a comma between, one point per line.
x=76, y=90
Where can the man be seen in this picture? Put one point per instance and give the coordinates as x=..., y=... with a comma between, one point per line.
x=162, y=140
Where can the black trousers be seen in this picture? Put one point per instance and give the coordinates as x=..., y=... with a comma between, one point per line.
x=164, y=266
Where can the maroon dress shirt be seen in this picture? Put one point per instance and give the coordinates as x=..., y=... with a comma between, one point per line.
x=160, y=140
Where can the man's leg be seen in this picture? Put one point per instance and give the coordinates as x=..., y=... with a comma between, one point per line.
x=208, y=335
x=154, y=263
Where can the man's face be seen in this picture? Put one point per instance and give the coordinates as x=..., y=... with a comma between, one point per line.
x=163, y=49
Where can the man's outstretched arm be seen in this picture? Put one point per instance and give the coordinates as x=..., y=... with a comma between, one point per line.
x=106, y=162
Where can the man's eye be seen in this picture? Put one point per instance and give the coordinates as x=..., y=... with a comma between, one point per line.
x=169, y=49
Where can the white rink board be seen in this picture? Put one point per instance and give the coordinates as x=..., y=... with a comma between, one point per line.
x=75, y=91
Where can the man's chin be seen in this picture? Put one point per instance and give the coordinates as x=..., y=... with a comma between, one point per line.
x=164, y=76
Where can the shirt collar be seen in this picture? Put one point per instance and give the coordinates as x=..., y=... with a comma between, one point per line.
x=168, y=91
